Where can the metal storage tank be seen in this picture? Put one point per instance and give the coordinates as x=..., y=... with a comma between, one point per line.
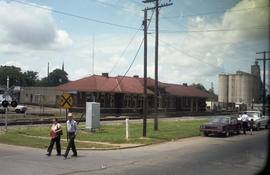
x=247, y=92
x=255, y=69
x=223, y=88
x=232, y=89
x=238, y=88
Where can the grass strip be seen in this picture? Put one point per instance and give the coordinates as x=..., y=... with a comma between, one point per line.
x=112, y=134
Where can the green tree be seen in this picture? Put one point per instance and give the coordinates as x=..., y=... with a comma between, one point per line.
x=55, y=78
x=210, y=91
x=16, y=77
x=199, y=86
x=30, y=78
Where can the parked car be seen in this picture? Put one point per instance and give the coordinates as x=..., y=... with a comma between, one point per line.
x=260, y=121
x=18, y=109
x=225, y=125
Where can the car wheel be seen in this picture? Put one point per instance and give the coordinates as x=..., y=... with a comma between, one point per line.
x=266, y=126
x=205, y=134
x=17, y=111
x=227, y=134
x=237, y=132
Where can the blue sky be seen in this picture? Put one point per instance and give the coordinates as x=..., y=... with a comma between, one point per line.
x=199, y=39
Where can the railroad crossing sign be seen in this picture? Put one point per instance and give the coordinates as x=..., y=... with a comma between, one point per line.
x=66, y=100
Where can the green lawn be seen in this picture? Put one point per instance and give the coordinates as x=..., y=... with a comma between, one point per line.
x=113, y=134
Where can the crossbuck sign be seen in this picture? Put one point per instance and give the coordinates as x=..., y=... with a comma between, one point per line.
x=66, y=100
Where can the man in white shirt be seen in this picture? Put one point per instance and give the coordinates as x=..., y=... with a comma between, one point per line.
x=244, y=119
x=72, y=130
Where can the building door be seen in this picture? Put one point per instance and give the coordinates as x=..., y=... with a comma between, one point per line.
x=119, y=102
x=178, y=104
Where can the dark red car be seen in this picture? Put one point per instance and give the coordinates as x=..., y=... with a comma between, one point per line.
x=222, y=125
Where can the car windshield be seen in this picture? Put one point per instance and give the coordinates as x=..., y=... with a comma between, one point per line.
x=253, y=114
x=221, y=120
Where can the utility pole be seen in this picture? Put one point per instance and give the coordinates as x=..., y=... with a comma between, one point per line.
x=6, y=108
x=157, y=6
x=145, y=75
x=264, y=61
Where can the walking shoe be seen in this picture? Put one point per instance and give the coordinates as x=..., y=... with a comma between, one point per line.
x=74, y=155
x=48, y=154
x=65, y=157
x=58, y=154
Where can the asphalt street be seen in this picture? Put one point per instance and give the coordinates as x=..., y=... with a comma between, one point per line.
x=239, y=154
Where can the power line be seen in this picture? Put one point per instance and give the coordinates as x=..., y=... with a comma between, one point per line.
x=116, y=7
x=124, y=51
x=191, y=33
x=210, y=13
x=76, y=16
x=200, y=60
x=215, y=30
x=129, y=65
x=134, y=57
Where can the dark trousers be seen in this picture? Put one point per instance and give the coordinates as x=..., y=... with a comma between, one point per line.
x=245, y=125
x=71, y=145
x=58, y=146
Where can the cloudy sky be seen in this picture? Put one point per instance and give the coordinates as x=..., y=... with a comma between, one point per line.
x=199, y=39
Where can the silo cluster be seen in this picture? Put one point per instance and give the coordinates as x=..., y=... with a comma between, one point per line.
x=240, y=88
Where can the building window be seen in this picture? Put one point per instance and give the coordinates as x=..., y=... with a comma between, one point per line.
x=112, y=101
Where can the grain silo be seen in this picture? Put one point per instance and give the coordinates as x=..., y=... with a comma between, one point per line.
x=238, y=88
x=241, y=88
x=231, y=89
x=223, y=88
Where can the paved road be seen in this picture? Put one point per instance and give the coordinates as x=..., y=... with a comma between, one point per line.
x=241, y=154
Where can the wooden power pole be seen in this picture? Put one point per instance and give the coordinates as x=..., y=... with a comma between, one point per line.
x=145, y=75
x=157, y=6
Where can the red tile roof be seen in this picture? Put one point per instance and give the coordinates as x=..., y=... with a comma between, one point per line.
x=181, y=90
x=103, y=84
x=134, y=85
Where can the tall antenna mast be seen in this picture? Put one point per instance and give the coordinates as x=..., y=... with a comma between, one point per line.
x=93, y=56
x=48, y=72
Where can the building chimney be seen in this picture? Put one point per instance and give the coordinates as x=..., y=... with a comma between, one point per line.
x=105, y=75
x=136, y=76
x=185, y=84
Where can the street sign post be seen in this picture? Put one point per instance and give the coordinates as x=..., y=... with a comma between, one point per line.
x=66, y=101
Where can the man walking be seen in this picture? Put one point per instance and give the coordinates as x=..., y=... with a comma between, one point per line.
x=244, y=122
x=72, y=130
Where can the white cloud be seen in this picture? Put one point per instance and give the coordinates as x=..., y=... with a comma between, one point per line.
x=201, y=56
x=133, y=9
x=17, y=64
x=244, y=23
x=190, y=57
x=24, y=27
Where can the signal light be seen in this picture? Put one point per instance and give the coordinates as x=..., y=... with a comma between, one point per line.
x=14, y=104
x=5, y=103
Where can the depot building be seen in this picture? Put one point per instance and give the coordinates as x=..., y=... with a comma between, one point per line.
x=126, y=93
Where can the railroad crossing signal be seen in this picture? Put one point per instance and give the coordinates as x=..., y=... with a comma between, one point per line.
x=66, y=100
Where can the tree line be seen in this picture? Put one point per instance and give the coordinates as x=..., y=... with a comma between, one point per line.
x=55, y=78
x=31, y=78
x=210, y=91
